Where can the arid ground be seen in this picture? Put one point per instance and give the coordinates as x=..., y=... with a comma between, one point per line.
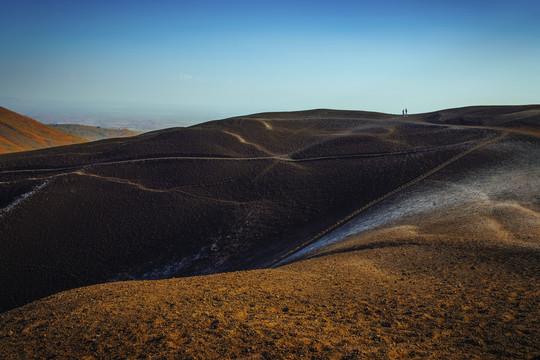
x=93, y=133
x=321, y=234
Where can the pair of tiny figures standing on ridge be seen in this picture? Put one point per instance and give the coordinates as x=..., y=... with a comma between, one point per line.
x=404, y=112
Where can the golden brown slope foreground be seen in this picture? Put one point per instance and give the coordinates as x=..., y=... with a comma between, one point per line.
x=20, y=133
x=93, y=133
x=221, y=196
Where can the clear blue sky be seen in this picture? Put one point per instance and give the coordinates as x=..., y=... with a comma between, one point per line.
x=241, y=57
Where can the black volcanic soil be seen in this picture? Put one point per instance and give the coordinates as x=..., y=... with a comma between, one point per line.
x=221, y=196
x=239, y=194
x=523, y=119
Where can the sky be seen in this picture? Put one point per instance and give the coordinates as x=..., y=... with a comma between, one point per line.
x=202, y=59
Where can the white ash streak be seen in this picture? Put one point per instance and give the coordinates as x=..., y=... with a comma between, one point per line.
x=21, y=198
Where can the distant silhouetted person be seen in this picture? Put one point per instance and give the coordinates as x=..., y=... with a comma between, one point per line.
x=405, y=112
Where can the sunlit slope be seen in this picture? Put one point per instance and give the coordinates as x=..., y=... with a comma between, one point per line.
x=93, y=133
x=20, y=133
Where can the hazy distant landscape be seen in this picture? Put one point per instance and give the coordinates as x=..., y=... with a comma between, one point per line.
x=345, y=234
x=135, y=116
x=93, y=133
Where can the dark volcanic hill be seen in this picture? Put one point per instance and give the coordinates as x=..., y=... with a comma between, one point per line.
x=93, y=133
x=20, y=133
x=235, y=194
x=517, y=118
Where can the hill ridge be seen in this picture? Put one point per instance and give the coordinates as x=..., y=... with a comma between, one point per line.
x=21, y=133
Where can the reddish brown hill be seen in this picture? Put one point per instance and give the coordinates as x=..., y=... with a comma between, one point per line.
x=21, y=133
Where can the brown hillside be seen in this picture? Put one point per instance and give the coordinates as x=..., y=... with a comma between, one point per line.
x=364, y=235
x=220, y=196
x=20, y=133
x=93, y=133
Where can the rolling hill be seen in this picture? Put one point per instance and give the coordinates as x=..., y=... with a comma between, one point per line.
x=93, y=133
x=20, y=133
x=322, y=233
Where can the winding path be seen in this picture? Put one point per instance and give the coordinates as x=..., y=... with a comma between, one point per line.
x=284, y=158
